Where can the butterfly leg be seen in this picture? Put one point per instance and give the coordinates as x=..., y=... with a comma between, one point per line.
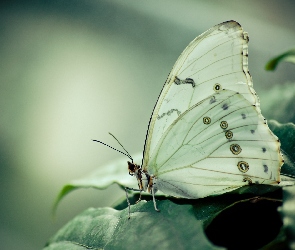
x=154, y=200
x=128, y=202
x=139, y=197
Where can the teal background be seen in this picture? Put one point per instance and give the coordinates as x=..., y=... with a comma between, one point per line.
x=72, y=71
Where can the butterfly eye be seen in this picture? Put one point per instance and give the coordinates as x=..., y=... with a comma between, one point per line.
x=223, y=124
x=132, y=167
x=243, y=166
x=235, y=149
x=207, y=120
x=217, y=87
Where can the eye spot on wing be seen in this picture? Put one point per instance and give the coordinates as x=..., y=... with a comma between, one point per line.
x=217, y=87
x=243, y=166
x=229, y=134
x=235, y=149
x=223, y=124
x=206, y=120
x=243, y=116
x=263, y=150
x=252, y=131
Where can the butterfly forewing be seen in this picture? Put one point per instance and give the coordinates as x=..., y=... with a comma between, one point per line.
x=206, y=134
x=218, y=56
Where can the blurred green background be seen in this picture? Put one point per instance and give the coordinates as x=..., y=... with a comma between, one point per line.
x=71, y=71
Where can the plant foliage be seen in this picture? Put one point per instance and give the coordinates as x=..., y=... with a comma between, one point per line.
x=247, y=218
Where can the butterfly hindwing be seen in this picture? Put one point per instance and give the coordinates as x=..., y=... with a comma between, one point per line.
x=213, y=146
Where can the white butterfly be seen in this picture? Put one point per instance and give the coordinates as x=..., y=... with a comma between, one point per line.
x=206, y=135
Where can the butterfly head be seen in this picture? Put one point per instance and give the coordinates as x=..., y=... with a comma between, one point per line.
x=133, y=168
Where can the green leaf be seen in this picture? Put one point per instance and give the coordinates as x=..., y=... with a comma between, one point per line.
x=280, y=242
x=103, y=177
x=175, y=227
x=288, y=56
x=286, y=134
x=278, y=102
x=288, y=214
x=181, y=221
x=247, y=224
x=178, y=225
x=65, y=190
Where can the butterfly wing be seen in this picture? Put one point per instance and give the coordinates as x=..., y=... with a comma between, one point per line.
x=218, y=144
x=214, y=61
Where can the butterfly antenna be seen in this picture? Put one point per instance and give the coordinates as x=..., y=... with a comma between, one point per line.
x=122, y=147
x=128, y=155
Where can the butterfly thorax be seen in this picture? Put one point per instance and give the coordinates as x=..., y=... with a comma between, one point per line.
x=144, y=179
